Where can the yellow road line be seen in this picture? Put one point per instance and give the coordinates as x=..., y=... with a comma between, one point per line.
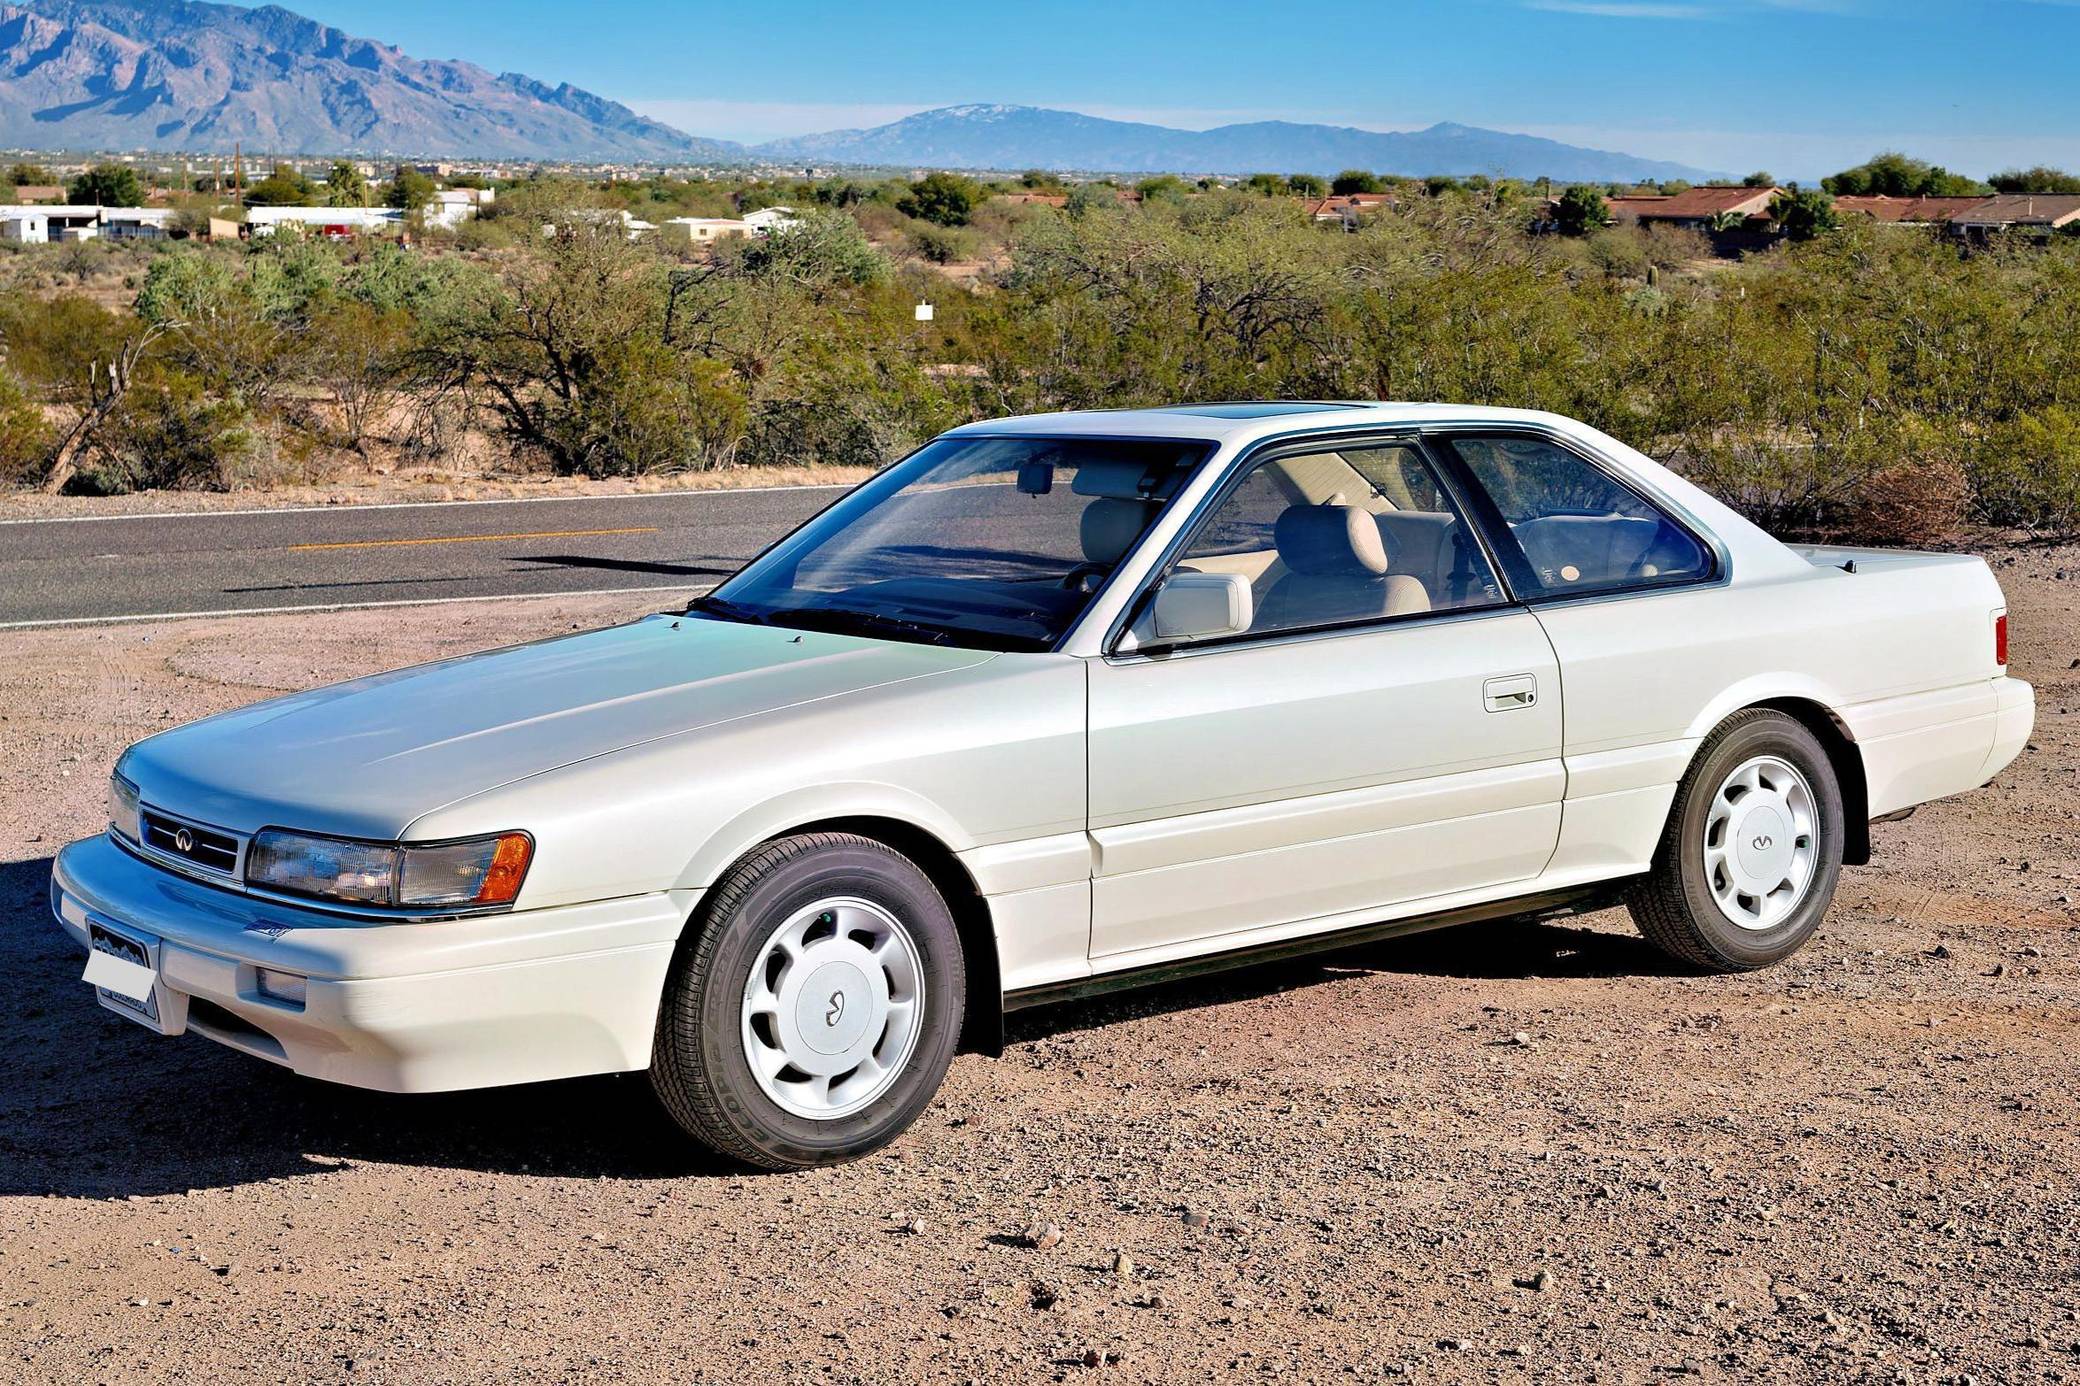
x=471, y=538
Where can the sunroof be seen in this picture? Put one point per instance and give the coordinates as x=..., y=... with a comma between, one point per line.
x=1263, y=409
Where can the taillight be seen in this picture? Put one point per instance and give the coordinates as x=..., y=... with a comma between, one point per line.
x=2000, y=640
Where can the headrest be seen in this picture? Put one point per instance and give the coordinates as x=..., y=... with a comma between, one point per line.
x=1110, y=526
x=1330, y=541
x=1119, y=479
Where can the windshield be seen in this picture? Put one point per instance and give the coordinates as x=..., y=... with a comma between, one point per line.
x=994, y=543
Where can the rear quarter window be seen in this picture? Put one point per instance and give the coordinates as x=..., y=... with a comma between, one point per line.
x=1578, y=528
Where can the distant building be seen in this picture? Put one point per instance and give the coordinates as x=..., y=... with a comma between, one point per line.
x=29, y=194
x=1345, y=208
x=1906, y=211
x=453, y=206
x=2040, y=212
x=701, y=230
x=24, y=226
x=1348, y=208
x=1698, y=209
x=135, y=223
x=1033, y=199
x=767, y=220
x=333, y=222
x=62, y=222
x=447, y=210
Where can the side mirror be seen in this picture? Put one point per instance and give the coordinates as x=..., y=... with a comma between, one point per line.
x=1200, y=606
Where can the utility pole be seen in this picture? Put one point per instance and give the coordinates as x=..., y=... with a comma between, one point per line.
x=238, y=171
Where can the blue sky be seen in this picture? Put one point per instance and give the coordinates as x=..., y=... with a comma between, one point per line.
x=1799, y=87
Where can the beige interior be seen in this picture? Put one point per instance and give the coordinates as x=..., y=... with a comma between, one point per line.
x=1405, y=566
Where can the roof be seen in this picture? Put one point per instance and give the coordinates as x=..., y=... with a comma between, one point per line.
x=1242, y=420
x=2022, y=209
x=39, y=192
x=1701, y=203
x=1336, y=205
x=1915, y=210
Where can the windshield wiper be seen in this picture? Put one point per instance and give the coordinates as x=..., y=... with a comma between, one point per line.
x=728, y=610
x=844, y=621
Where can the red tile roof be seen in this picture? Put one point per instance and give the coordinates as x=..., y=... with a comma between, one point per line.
x=2022, y=209
x=1345, y=204
x=1916, y=210
x=1701, y=204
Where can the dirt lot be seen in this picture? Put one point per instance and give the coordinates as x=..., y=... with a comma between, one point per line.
x=1499, y=1152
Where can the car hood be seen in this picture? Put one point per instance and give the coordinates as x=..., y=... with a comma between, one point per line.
x=367, y=758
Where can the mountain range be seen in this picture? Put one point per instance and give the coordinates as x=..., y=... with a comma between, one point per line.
x=1020, y=137
x=179, y=74
x=196, y=76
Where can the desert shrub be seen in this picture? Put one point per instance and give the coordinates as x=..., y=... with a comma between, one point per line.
x=824, y=250
x=943, y=245
x=2028, y=472
x=25, y=435
x=169, y=434
x=359, y=354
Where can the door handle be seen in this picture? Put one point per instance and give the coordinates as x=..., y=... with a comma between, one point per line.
x=1507, y=692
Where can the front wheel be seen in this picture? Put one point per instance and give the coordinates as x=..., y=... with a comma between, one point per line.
x=1753, y=847
x=814, y=1005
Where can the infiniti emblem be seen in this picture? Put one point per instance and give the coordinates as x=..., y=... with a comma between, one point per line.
x=183, y=840
x=837, y=1008
x=1763, y=842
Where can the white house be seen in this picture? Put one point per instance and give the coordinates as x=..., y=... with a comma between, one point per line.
x=701, y=230
x=447, y=210
x=24, y=225
x=453, y=206
x=767, y=220
x=35, y=224
x=135, y=223
x=325, y=221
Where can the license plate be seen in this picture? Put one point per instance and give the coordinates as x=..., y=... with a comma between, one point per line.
x=122, y=972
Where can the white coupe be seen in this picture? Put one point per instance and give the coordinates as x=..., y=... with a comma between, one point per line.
x=1053, y=705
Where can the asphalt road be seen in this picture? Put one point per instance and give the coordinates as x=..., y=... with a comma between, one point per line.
x=138, y=567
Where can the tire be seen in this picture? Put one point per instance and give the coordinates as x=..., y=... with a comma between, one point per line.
x=762, y=1068
x=1759, y=781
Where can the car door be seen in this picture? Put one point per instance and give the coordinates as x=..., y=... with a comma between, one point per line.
x=1387, y=730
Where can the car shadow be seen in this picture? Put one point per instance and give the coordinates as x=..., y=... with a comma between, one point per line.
x=1507, y=949
x=94, y=1106
x=625, y=565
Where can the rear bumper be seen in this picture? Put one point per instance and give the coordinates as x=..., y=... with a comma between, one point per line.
x=1929, y=745
x=467, y=1003
x=2015, y=717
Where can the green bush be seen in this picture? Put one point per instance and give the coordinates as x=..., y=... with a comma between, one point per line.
x=25, y=435
x=170, y=435
x=2028, y=474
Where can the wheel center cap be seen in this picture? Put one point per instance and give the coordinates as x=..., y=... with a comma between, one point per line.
x=1764, y=844
x=834, y=1008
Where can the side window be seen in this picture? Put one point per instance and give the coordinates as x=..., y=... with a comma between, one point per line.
x=1332, y=537
x=1580, y=530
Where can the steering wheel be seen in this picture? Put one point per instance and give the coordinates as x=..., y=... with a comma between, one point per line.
x=1074, y=579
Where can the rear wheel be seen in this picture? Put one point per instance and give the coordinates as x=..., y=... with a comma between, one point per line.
x=814, y=1005
x=1753, y=847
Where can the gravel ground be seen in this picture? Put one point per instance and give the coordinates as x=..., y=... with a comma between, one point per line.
x=1498, y=1152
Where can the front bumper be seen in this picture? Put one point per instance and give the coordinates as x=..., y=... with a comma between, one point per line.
x=464, y=1003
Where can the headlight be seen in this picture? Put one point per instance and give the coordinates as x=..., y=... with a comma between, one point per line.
x=445, y=875
x=123, y=814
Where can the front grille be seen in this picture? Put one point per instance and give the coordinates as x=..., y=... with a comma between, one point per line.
x=205, y=848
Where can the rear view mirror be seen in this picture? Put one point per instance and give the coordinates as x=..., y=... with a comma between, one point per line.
x=1036, y=478
x=1201, y=606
